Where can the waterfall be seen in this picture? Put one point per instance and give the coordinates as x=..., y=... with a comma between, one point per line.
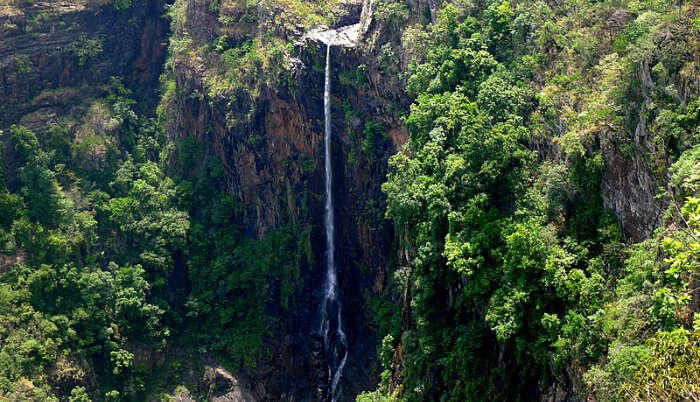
x=335, y=342
x=334, y=339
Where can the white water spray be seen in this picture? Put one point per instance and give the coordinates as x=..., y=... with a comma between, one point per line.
x=334, y=339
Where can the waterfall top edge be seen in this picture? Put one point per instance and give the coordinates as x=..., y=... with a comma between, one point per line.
x=346, y=36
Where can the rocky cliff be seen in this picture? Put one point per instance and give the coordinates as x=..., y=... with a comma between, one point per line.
x=271, y=143
x=55, y=56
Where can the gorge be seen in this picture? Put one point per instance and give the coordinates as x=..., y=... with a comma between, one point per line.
x=349, y=200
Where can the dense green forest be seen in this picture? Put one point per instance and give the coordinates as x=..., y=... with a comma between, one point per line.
x=124, y=247
x=106, y=231
x=515, y=255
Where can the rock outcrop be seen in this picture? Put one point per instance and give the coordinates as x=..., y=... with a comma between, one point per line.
x=224, y=387
x=629, y=190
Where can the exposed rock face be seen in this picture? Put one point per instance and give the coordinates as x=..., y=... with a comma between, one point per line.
x=628, y=189
x=629, y=184
x=224, y=387
x=213, y=384
x=54, y=55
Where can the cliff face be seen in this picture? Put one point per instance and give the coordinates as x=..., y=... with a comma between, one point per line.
x=56, y=55
x=272, y=146
x=628, y=190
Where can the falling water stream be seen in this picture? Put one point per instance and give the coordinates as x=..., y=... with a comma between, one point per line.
x=334, y=339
